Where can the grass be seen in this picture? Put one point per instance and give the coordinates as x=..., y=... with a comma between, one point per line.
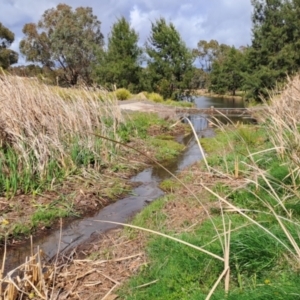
x=155, y=97
x=179, y=103
x=184, y=273
x=262, y=208
x=137, y=125
x=45, y=136
x=165, y=150
x=168, y=185
x=49, y=140
x=122, y=94
x=256, y=260
x=250, y=195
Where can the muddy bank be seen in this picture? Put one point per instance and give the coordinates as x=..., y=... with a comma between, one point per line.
x=142, y=189
x=24, y=214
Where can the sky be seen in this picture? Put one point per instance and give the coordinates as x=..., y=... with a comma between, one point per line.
x=227, y=21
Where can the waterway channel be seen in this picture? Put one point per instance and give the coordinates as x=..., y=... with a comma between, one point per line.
x=78, y=231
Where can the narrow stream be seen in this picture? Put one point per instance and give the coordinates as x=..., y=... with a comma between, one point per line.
x=79, y=230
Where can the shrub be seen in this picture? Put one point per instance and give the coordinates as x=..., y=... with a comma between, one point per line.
x=155, y=97
x=122, y=94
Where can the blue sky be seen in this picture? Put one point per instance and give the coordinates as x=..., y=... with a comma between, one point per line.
x=227, y=21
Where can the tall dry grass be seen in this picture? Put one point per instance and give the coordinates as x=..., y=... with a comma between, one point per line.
x=41, y=122
x=282, y=124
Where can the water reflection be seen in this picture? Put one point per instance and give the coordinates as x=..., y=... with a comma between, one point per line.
x=206, y=102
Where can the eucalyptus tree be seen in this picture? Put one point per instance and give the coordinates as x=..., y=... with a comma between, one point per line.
x=64, y=38
x=211, y=56
x=7, y=56
x=206, y=52
x=120, y=64
x=170, y=62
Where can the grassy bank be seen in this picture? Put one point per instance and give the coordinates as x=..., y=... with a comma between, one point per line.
x=55, y=160
x=239, y=95
x=124, y=94
x=250, y=200
x=230, y=231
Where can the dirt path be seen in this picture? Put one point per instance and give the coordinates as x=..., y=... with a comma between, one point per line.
x=163, y=111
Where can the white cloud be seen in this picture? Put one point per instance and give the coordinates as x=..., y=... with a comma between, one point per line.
x=228, y=21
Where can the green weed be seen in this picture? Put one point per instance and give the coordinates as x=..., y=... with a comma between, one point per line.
x=45, y=214
x=137, y=125
x=168, y=185
x=179, y=272
x=165, y=149
x=21, y=229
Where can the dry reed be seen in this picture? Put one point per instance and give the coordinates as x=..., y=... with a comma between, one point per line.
x=43, y=121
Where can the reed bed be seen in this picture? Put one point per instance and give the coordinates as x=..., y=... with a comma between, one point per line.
x=44, y=130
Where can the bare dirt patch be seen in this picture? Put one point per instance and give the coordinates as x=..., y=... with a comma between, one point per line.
x=163, y=111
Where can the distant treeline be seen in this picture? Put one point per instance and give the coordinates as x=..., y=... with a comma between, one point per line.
x=66, y=47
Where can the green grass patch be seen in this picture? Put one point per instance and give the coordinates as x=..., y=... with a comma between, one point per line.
x=150, y=217
x=137, y=125
x=168, y=185
x=165, y=149
x=179, y=272
x=179, y=103
x=46, y=213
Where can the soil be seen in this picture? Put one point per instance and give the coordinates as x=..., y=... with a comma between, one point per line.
x=109, y=260
x=97, y=268
x=164, y=111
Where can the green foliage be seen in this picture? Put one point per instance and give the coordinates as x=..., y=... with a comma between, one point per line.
x=151, y=216
x=179, y=103
x=200, y=79
x=19, y=176
x=122, y=94
x=14, y=175
x=249, y=135
x=253, y=251
x=257, y=268
x=155, y=97
x=165, y=149
x=168, y=185
x=120, y=63
x=207, y=53
x=45, y=215
x=7, y=56
x=170, y=61
x=66, y=38
x=21, y=229
x=227, y=73
x=275, y=45
x=137, y=125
